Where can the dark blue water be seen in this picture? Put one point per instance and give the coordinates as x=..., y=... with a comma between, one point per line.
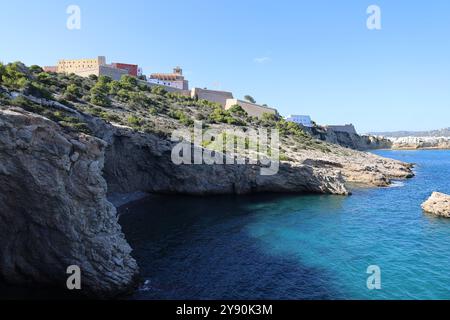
x=297, y=247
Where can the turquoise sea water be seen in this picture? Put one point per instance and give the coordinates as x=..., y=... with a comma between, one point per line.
x=297, y=247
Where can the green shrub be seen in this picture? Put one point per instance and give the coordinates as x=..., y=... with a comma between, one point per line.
x=68, y=121
x=14, y=76
x=72, y=92
x=26, y=104
x=134, y=121
x=270, y=117
x=249, y=99
x=36, y=89
x=139, y=99
x=114, y=87
x=2, y=71
x=100, y=100
x=99, y=92
x=4, y=101
x=123, y=95
x=181, y=116
x=237, y=110
x=80, y=127
x=128, y=82
x=291, y=128
x=46, y=78
x=224, y=116
x=21, y=102
x=35, y=69
x=103, y=81
x=143, y=87
x=158, y=90
x=110, y=117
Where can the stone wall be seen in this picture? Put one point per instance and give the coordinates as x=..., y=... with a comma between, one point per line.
x=113, y=73
x=219, y=97
x=186, y=93
x=349, y=128
x=252, y=109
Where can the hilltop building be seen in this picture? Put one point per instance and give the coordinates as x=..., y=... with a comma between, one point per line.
x=348, y=128
x=76, y=65
x=133, y=69
x=96, y=66
x=53, y=69
x=174, y=80
x=301, y=119
x=253, y=109
x=219, y=97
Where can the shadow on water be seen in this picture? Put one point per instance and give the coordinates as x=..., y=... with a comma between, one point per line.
x=200, y=248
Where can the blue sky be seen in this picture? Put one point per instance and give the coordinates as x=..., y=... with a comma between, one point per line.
x=311, y=57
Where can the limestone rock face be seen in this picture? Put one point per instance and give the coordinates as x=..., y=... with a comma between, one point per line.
x=142, y=162
x=53, y=209
x=350, y=140
x=438, y=204
x=138, y=161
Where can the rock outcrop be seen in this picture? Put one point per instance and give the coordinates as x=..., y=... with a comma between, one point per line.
x=53, y=209
x=142, y=162
x=438, y=204
x=349, y=139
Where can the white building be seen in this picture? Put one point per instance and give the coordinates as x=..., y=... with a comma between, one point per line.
x=303, y=120
x=174, y=80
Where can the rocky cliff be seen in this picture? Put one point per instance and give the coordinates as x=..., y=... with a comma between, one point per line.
x=438, y=204
x=142, y=162
x=350, y=140
x=53, y=209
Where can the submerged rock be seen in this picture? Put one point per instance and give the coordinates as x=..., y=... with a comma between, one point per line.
x=54, y=212
x=438, y=204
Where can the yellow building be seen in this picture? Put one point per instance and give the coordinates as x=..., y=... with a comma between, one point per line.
x=73, y=66
x=87, y=67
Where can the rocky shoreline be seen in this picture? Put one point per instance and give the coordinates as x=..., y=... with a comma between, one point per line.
x=438, y=204
x=64, y=153
x=420, y=143
x=54, y=210
x=53, y=189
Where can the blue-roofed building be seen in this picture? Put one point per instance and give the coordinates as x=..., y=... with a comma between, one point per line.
x=300, y=119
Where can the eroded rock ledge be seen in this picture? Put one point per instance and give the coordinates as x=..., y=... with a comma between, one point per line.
x=438, y=204
x=53, y=209
x=142, y=162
